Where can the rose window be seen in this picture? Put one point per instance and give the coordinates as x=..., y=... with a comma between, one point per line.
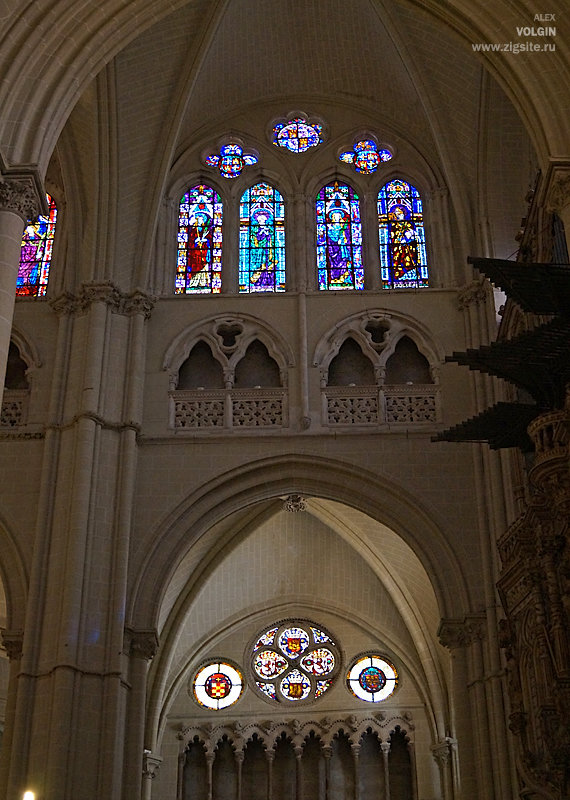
x=294, y=662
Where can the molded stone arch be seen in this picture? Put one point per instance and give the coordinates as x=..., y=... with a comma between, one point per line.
x=14, y=577
x=296, y=474
x=231, y=350
x=360, y=328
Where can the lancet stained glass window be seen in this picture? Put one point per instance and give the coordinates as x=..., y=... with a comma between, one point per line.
x=199, y=263
x=294, y=662
x=262, y=240
x=35, y=254
x=339, y=238
x=403, y=260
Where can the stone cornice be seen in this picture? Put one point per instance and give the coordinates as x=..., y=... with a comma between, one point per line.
x=130, y=304
x=474, y=293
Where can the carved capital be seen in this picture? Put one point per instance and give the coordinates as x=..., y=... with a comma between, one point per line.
x=103, y=292
x=19, y=194
x=474, y=294
x=442, y=751
x=151, y=765
x=559, y=193
x=455, y=633
x=12, y=642
x=141, y=643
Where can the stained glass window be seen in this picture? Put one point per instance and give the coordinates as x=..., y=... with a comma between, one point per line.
x=372, y=678
x=35, y=254
x=262, y=240
x=294, y=661
x=231, y=160
x=339, y=238
x=297, y=135
x=217, y=685
x=199, y=264
x=365, y=156
x=403, y=260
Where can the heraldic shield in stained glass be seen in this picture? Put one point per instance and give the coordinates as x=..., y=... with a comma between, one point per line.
x=403, y=259
x=297, y=135
x=199, y=263
x=295, y=661
x=35, y=254
x=372, y=678
x=217, y=685
x=365, y=157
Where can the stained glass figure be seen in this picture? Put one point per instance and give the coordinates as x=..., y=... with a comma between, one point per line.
x=217, y=685
x=297, y=135
x=365, y=156
x=269, y=664
x=318, y=662
x=35, y=254
x=295, y=686
x=372, y=678
x=265, y=638
x=403, y=260
x=231, y=160
x=293, y=663
x=199, y=264
x=320, y=636
x=339, y=238
x=267, y=689
x=293, y=641
x=262, y=240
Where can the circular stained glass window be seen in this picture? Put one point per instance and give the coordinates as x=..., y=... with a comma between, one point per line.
x=372, y=678
x=294, y=662
x=297, y=135
x=217, y=685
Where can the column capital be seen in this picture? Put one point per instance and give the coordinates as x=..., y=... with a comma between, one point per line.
x=441, y=751
x=151, y=764
x=474, y=294
x=453, y=633
x=12, y=642
x=558, y=195
x=21, y=192
x=140, y=643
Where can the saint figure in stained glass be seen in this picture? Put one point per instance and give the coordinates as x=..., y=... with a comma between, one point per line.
x=199, y=264
x=339, y=238
x=262, y=240
x=403, y=259
x=36, y=252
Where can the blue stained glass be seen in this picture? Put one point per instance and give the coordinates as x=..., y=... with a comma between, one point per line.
x=231, y=160
x=297, y=135
x=262, y=240
x=403, y=258
x=36, y=253
x=365, y=156
x=339, y=238
x=199, y=264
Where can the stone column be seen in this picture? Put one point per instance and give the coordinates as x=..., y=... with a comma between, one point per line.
x=270, y=756
x=355, y=748
x=12, y=642
x=140, y=647
x=442, y=755
x=558, y=198
x=20, y=200
x=298, y=776
x=327, y=754
x=385, y=747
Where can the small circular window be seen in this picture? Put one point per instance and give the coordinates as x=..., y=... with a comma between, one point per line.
x=217, y=685
x=293, y=662
x=372, y=678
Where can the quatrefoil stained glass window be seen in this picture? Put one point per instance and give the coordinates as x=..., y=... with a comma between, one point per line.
x=294, y=662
